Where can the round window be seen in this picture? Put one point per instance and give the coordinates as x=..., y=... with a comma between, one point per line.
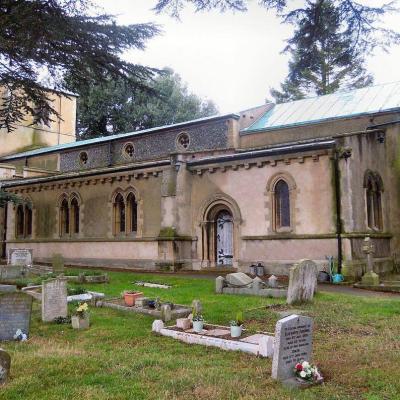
x=183, y=141
x=128, y=151
x=83, y=158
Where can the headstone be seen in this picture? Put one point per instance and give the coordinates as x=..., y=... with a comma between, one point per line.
x=302, y=282
x=272, y=281
x=219, y=284
x=293, y=344
x=257, y=284
x=238, y=279
x=20, y=256
x=15, y=313
x=58, y=263
x=197, y=306
x=12, y=271
x=370, y=278
x=166, y=314
x=8, y=288
x=54, y=299
x=5, y=365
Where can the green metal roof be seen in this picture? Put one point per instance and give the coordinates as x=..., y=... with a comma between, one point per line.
x=365, y=101
x=105, y=139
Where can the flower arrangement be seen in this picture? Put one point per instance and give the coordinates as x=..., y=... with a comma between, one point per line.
x=238, y=321
x=307, y=372
x=81, y=310
x=21, y=336
x=197, y=316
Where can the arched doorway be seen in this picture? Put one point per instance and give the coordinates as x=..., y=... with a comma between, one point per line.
x=224, y=237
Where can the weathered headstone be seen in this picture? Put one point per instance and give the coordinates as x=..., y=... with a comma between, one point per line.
x=5, y=365
x=166, y=314
x=58, y=263
x=8, y=288
x=238, y=279
x=54, y=299
x=15, y=313
x=272, y=281
x=12, y=271
x=20, y=256
x=293, y=344
x=370, y=278
x=257, y=284
x=219, y=284
x=197, y=306
x=302, y=282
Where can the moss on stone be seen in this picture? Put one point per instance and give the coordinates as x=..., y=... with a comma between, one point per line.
x=168, y=232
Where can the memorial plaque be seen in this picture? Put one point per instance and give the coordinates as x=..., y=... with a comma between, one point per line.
x=20, y=256
x=293, y=344
x=54, y=299
x=15, y=313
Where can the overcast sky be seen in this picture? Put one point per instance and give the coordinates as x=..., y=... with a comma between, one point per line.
x=230, y=58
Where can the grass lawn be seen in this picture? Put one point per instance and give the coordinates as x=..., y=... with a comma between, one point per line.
x=356, y=345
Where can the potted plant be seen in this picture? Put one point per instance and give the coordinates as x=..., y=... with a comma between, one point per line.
x=81, y=318
x=131, y=296
x=198, y=322
x=237, y=325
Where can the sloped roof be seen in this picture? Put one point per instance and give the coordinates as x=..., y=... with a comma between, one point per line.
x=365, y=101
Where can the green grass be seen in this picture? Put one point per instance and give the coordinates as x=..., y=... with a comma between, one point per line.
x=356, y=345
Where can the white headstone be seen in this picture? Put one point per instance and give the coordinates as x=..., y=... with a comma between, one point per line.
x=293, y=344
x=272, y=281
x=157, y=325
x=238, y=279
x=302, y=282
x=54, y=299
x=20, y=256
x=219, y=284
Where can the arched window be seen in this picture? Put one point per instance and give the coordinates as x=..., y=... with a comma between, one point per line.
x=64, y=218
x=131, y=213
x=75, y=215
x=119, y=214
x=281, y=205
x=20, y=221
x=28, y=220
x=373, y=197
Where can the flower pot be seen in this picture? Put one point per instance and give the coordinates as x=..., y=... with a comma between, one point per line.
x=130, y=297
x=236, y=331
x=198, y=326
x=80, y=322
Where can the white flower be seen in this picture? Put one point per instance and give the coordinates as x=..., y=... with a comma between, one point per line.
x=303, y=374
x=305, y=364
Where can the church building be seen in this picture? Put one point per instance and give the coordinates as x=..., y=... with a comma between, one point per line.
x=273, y=184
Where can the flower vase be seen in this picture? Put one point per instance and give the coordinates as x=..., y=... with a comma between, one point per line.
x=80, y=322
x=198, y=326
x=236, y=331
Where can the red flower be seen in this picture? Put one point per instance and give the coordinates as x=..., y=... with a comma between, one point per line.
x=299, y=367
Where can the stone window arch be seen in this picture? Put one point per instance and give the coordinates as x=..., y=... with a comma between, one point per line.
x=69, y=215
x=126, y=213
x=132, y=213
x=75, y=215
x=119, y=214
x=373, y=186
x=24, y=220
x=64, y=217
x=281, y=189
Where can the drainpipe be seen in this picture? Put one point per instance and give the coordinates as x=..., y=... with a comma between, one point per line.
x=339, y=227
x=4, y=238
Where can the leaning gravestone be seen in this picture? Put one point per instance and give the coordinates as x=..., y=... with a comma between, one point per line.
x=15, y=313
x=238, y=279
x=302, y=282
x=54, y=299
x=5, y=364
x=293, y=344
x=20, y=256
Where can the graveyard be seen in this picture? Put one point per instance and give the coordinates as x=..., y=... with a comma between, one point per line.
x=356, y=345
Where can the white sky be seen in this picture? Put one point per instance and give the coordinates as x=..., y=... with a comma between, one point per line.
x=230, y=58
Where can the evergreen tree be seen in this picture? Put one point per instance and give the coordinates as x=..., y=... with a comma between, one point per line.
x=61, y=36
x=322, y=57
x=113, y=107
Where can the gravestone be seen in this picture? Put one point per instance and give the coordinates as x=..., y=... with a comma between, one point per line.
x=370, y=278
x=238, y=279
x=54, y=299
x=5, y=365
x=20, y=256
x=272, y=281
x=219, y=284
x=302, y=282
x=57, y=262
x=12, y=271
x=197, y=307
x=293, y=344
x=166, y=314
x=15, y=313
x=8, y=288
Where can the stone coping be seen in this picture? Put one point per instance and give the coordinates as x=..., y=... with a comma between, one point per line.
x=179, y=310
x=259, y=344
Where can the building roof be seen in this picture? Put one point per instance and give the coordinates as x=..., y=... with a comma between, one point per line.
x=359, y=102
x=110, y=138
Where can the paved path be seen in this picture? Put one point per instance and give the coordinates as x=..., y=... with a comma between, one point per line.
x=354, y=291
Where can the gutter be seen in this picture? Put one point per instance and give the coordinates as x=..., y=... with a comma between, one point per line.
x=371, y=127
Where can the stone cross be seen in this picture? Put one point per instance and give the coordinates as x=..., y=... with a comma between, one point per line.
x=369, y=249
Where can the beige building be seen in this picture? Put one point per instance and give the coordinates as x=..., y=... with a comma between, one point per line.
x=273, y=184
